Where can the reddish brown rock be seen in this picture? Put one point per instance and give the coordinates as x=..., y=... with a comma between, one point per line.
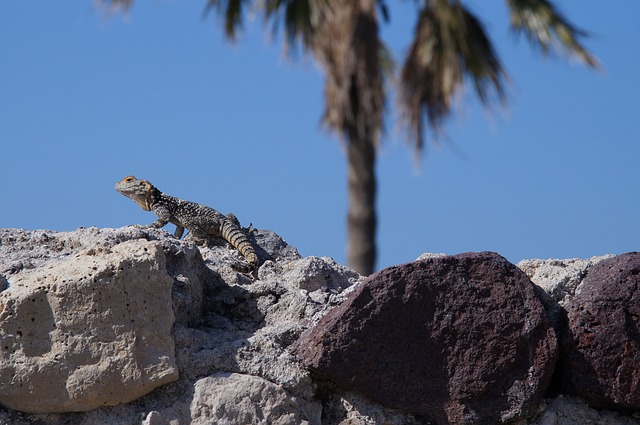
x=460, y=339
x=601, y=344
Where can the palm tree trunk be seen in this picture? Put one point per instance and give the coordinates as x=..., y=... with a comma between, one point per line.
x=347, y=45
x=361, y=219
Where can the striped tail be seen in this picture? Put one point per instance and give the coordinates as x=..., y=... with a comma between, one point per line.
x=239, y=241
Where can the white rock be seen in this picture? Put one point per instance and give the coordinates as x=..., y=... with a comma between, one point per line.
x=353, y=409
x=567, y=410
x=231, y=332
x=88, y=331
x=232, y=399
x=559, y=278
x=314, y=273
x=427, y=255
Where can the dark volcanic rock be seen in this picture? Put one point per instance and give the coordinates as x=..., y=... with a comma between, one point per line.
x=601, y=347
x=461, y=339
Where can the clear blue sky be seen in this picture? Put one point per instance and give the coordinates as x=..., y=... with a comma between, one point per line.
x=86, y=99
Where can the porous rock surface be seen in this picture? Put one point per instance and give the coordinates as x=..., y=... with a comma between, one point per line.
x=460, y=339
x=570, y=410
x=230, y=330
x=88, y=331
x=557, y=282
x=559, y=278
x=232, y=398
x=593, y=304
x=232, y=334
x=601, y=341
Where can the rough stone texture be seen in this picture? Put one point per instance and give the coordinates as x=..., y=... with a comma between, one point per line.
x=428, y=255
x=348, y=408
x=461, y=339
x=28, y=249
x=559, y=278
x=601, y=344
x=568, y=410
x=189, y=272
x=88, y=331
x=557, y=281
x=22, y=250
x=228, y=324
x=231, y=398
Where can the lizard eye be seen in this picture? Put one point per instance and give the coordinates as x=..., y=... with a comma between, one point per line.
x=128, y=179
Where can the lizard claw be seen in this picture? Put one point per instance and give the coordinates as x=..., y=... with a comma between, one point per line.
x=250, y=230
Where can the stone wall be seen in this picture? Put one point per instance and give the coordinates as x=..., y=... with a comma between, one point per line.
x=131, y=326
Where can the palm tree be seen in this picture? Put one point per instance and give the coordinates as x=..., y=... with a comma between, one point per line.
x=450, y=46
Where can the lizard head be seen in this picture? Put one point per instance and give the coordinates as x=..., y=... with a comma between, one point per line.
x=139, y=191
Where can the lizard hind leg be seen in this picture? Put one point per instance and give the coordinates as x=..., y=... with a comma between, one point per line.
x=246, y=230
x=197, y=235
x=232, y=218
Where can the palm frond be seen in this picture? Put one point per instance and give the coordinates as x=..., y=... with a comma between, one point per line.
x=232, y=13
x=384, y=10
x=387, y=62
x=297, y=17
x=450, y=46
x=115, y=4
x=546, y=27
x=348, y=47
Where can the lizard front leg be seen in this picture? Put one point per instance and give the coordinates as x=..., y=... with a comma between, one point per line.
x=179, y=228
x=178, y=232
x=164, y=216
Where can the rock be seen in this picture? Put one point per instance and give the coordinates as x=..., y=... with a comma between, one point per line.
x=24, y=250
x=601, y=341
x=4, y=283
x=231, y=398
x=348, y=408
x=226, y=322
x=427, y=255
x=233, y=334
x=568, y=410
x=155, y=418
x=250, y=325
x=559, y=278
x=313, y=273
x=190, y=274
x=460, y=339
x=270, y=244
x=87, y=332
x=557, y=282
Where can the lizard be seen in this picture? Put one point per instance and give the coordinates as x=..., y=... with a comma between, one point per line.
x=200, y=221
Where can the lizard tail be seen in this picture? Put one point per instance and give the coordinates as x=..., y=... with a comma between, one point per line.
x=239, y=241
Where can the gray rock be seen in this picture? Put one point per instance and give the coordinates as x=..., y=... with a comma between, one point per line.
x=314, y=273
x=229, y=399
x=557, y=282
x=250, y=324
x=559, y=278
x=88, y=331
x=349, y=408
x=227, y=322
x=568, y=410
x=428, y=255
x=24, y=250
x=232, y=333
x=190, y=274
